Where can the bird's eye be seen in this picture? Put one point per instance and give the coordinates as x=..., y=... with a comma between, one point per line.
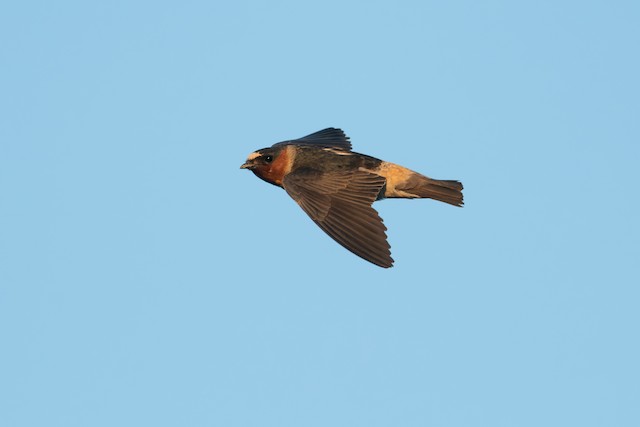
x=268, y=159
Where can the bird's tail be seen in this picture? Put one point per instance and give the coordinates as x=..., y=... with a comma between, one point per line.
x=407, y=184
x=447, y=191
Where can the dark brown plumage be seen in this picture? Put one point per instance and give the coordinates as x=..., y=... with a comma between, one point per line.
x=337, y=187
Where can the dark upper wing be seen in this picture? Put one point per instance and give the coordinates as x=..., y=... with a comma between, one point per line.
x=340, y=203
x=329, y=138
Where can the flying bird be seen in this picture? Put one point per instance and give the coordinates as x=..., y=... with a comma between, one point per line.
x=336, y=187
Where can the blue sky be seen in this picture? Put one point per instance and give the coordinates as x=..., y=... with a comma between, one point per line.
x=146, y=280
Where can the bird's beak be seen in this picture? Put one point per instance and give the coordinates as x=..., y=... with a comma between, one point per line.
x=247, y=165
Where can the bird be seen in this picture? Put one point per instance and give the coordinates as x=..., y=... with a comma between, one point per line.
x=336, y=187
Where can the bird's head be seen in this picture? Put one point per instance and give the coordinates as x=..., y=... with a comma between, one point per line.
x=270, y=164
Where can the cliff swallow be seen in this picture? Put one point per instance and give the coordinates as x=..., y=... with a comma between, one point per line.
x=336, y=187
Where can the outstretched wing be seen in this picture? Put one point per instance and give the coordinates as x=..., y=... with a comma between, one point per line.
x=340, y=203
x=327, y=138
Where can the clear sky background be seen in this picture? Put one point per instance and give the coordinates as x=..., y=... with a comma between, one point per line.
x=146, y=280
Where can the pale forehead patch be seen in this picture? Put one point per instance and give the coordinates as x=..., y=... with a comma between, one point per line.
x=253, y=155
